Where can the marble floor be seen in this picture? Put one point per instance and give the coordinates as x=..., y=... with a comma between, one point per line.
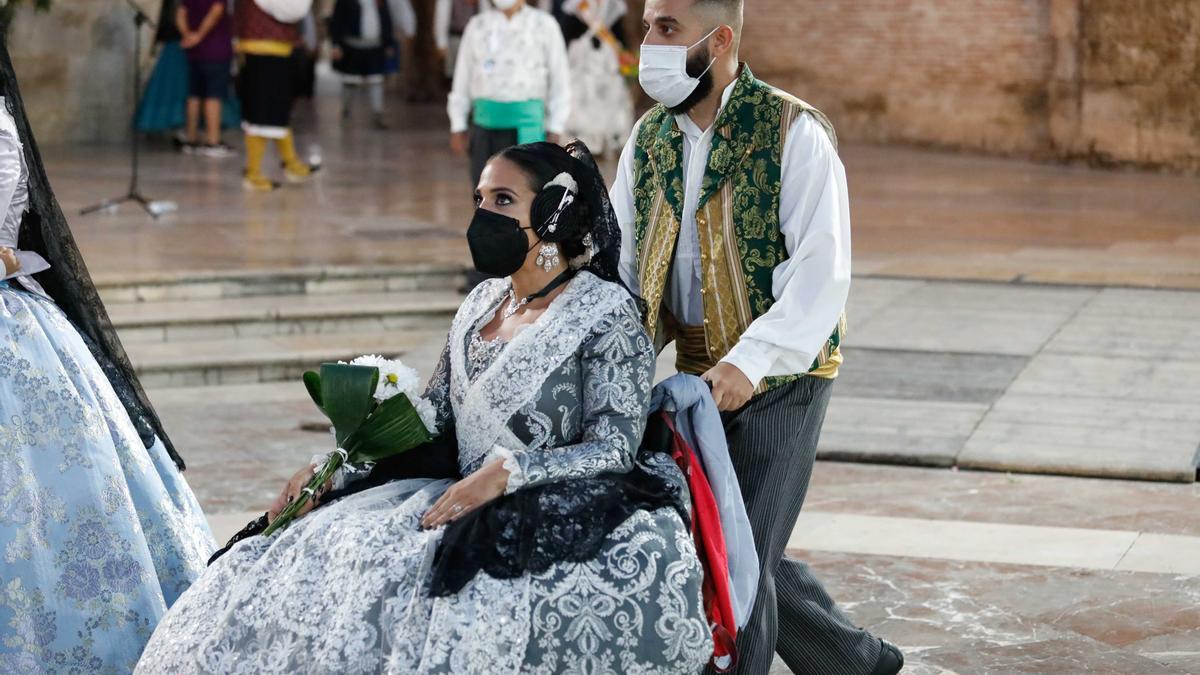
x=399, y=196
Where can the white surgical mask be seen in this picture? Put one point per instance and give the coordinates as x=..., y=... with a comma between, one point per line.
x=662, y=72
x=504, y=5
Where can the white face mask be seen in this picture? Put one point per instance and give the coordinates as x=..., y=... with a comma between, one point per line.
x=662, y=72
x=504, y=5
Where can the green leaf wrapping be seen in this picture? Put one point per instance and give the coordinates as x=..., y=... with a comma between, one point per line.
x=312, y=382
x=347, y=392
x=393, y=428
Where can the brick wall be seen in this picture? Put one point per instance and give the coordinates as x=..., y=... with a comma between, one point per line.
x=1130, y=91
x=965, y=73
x=1108, y=81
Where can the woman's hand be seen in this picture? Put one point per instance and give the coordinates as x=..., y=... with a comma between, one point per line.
x=291, y=491
x=468, y=494
x=9, y=258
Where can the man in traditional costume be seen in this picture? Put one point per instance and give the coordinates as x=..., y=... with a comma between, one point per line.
x=736, y=232
x=267, y=31
x=511, y=83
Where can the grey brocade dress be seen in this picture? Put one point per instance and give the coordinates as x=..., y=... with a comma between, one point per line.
x=345, y=589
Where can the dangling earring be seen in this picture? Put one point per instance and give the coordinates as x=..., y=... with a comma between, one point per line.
x=548, y=257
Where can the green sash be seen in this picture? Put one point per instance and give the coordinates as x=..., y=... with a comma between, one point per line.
x=527, y=117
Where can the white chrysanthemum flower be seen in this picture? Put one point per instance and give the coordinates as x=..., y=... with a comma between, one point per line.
x=426, y=411
x=394, y=377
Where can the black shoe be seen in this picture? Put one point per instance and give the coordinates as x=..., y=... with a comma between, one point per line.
x=890, y=661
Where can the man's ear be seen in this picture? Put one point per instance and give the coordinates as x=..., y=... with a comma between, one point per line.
x=722, y=41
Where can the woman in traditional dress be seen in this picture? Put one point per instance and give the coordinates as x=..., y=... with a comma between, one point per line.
x=560, y=549
x=99, y=532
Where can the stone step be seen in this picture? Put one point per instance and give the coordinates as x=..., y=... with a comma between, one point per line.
x=268, y=359
x=217, y=284
x=270, y=315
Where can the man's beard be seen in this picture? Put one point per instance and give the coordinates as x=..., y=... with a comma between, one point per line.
x=695, y=65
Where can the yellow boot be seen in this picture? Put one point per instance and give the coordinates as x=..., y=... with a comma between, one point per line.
x=253, y=179
x=294, y=170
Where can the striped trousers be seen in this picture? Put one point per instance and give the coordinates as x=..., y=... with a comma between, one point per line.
x=773, y=444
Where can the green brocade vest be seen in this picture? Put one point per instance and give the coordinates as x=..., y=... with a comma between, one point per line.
x=737, y=220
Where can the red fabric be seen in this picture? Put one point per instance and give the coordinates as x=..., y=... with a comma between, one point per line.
x=251, y=22
x=710, y=547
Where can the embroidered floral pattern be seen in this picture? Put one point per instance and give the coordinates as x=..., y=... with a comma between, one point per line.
x=743, y=177
x=97, y=535
x=567, y=398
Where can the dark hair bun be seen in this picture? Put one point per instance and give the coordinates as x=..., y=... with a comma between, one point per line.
x=557, y=214
x=543, y=164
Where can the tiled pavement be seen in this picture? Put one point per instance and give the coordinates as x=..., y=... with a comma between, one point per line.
x=1018, y=377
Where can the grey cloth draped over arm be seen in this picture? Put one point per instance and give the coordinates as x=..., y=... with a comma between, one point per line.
x=698, y=421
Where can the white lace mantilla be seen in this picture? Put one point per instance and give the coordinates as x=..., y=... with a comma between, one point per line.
x=345, y=589
x=483, y=406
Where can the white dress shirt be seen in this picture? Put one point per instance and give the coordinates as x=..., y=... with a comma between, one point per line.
x=810, y=287
x=519, y=59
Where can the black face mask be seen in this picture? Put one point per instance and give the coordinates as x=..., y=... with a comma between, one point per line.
x=498, y=243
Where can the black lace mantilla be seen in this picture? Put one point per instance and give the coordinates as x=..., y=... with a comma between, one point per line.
x=45, y=231
x=530, y=530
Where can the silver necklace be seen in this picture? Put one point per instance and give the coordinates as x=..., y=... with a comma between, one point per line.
x=513, y=304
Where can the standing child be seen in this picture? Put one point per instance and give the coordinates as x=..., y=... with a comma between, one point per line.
x=363, y=37
x=208, y=41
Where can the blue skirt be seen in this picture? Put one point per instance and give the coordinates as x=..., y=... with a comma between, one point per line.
x=164, y=102
x=98, y=535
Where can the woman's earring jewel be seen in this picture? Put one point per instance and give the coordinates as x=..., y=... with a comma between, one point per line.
x=548, y=257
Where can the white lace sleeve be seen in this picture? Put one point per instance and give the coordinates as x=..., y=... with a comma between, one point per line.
x=516, y=477
x=618, y=373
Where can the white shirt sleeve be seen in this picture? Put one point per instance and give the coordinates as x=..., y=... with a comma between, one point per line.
x=812, y=285
x=441, y=24
x=10, y=177
x=558, y=98
x=404, y=17
x=458, y=103
x=10, y=169
x=621, y=196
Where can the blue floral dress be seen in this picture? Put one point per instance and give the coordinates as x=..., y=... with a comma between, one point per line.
x=98, y=536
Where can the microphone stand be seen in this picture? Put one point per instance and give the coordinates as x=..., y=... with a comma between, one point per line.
x=134, y=194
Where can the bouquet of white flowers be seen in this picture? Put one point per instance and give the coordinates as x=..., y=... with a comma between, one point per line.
x=375, y=412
